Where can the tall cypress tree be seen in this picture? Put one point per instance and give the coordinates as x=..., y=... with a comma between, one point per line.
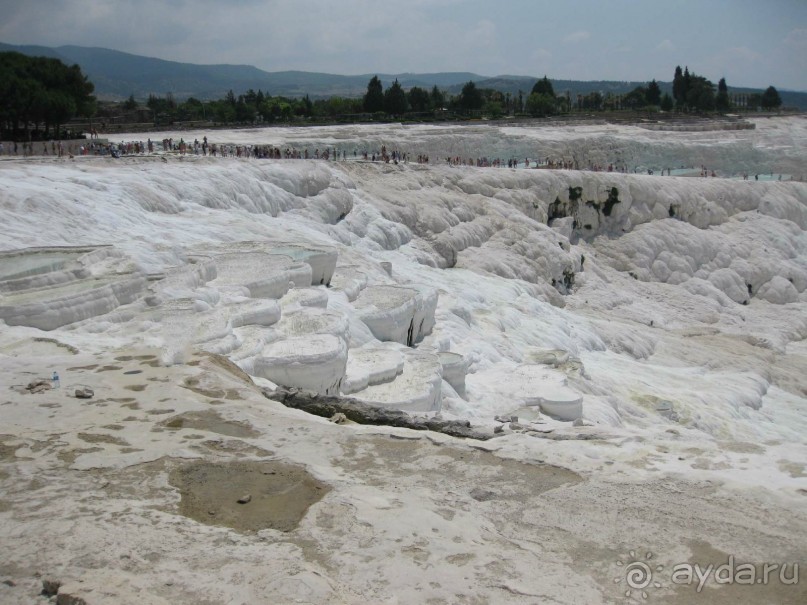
x=722, y=99
x=395, y=99
x=374, y=98
x=653, y=94
x=679, y=94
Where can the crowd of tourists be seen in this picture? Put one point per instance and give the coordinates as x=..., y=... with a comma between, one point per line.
x=99, y=147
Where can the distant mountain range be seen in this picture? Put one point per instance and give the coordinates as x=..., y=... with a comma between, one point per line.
x=117, y=75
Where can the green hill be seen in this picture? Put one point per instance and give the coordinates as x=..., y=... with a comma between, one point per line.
x=117, y=75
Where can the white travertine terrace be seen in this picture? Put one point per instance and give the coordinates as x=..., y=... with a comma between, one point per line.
x=397, y=313
x=370, y=365
x=454, y=368
x=416, y=389
x=262, y=274
x=679, y=318
x=51, y=288
x=315, y=362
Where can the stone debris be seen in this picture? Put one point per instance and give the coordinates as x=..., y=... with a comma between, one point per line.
x=482, y=495
x=38, y=386
x=68, y=594
x=338, y=418
x=245, y=499
x=85, y=393
x=326, y=406
x=50, y=587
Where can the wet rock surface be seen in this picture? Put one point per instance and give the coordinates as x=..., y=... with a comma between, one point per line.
x=246, y=496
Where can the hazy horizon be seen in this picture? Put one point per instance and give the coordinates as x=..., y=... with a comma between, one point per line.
x=624, y=40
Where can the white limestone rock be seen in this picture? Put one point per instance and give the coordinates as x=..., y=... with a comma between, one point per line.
x=370, y=365
x=52, y=307
x=313, y=362
x=511, y=387
x=321, y=260
x=454, y=368
x=263, y=275
x=416, y=389
x=400, y=314
x=778, y=291
x=350, y=280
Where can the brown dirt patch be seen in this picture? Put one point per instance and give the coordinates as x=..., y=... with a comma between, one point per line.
x=279, y=494
x=7, y=451
x=101, y=438
x=69, y=456
x=212, y=422
x=192, y=384
x=500, y=478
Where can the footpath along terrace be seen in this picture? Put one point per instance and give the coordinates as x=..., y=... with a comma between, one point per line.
x=170, y=147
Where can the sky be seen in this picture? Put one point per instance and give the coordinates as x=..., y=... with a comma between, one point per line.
x=750, y=43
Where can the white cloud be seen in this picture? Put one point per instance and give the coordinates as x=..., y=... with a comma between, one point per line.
x=665, y=45
x=540, y=54
x=577, y=36
x=484, y=33
x=797, y=39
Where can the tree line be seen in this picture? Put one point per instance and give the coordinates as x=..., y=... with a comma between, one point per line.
x=694, y=92
x=38, y=95
x=690, y=93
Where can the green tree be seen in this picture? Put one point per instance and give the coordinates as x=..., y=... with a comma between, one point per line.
x=395, y=99
x=470, y=97
x=191, y=109
x=438, y=99
x=494, y=109
x=666, y=102
x=653, y=94
x=540, y=104
x=770, y=99
x=543, y=87
x=41, y=90
x=592, y=101
x=679, y=90
x=244, y=112
x=306, y=107
x=418, y=99
x=251, y=97
x=722, y=102
x=636, y=98
x=374, y=97
x=700, y=93
x=130, y=103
